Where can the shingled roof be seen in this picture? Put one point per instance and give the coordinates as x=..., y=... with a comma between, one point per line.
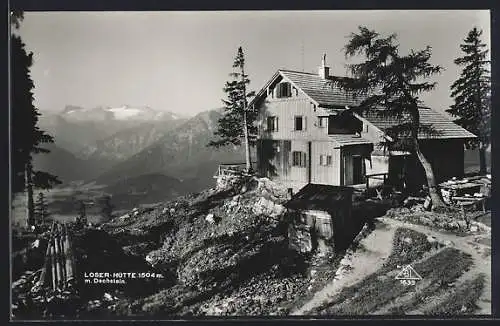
x=320, y=90
x=444, y=127
x=327, y=95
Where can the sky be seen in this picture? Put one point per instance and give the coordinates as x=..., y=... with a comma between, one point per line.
x=179, y=61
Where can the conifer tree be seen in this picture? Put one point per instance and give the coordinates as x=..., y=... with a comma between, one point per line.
x=390, y=84
x=26, y=136
x=106, y=207
x=471, y=92
x=237, y=123
x=82, y=213
x=41, y=209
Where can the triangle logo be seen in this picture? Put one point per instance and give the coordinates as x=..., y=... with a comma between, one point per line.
x=408, y=273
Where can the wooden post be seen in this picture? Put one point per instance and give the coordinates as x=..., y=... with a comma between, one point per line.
x=53, y=262
x=58, y=262
x=68, y=257
x=46, y=265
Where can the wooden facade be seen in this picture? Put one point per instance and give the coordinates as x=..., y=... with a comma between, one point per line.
x=308, y=134
x=326, y=161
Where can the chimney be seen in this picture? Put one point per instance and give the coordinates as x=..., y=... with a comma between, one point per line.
x=324, y=70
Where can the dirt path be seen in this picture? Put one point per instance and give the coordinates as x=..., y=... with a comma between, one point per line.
x=370, y=256
x=377, y=246
x=479, y=252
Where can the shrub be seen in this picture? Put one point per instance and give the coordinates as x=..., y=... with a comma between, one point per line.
x=407, y=246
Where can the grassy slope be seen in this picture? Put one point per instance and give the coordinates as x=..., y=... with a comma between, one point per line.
x=437, y=268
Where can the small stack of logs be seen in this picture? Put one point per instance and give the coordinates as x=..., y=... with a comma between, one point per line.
x=58, y=272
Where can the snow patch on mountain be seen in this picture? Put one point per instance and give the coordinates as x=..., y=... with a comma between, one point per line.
x=125, y=112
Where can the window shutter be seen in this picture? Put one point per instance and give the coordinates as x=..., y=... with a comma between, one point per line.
x=304, y=158
x=321, y=160
x=304, y=123
x=276, y=122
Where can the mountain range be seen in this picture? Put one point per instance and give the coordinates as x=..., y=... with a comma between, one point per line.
x=165, y=153
x=182, y=152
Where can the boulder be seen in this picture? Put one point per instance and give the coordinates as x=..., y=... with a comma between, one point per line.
x=150, y=260
x=431, y=239
x=35, y=243
x=210, y=218
x=268, y=207
x=407, y=240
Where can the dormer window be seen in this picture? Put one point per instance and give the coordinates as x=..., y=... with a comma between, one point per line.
x=284, y=90
x=270, y=91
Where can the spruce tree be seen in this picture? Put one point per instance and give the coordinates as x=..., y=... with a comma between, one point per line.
x=26, y=136
x=82, y=213
x=471, y=92
x=390, y=84
x=41, y=209
x=106, y=207
x=237, y=122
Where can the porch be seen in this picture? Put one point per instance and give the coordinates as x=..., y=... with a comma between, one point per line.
x=232, y=169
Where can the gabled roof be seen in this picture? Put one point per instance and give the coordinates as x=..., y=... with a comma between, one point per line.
x=320, y=90
x=445, y=127
x=320, y=197
x=324, y=94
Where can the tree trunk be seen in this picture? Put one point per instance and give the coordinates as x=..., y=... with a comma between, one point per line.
x=245, y=126
x=431, y=180
x=29, y=196
x=482, y=159
x=437, y=201
x=247, y=144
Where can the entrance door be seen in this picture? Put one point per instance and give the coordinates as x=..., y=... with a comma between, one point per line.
x=357, y=169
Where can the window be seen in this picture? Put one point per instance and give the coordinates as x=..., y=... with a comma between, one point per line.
x=284, y=90
x=300, y=123
x=325, y=160
x=322, y=122
x=270, y=91
x=272, y=124
x=299, y=159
